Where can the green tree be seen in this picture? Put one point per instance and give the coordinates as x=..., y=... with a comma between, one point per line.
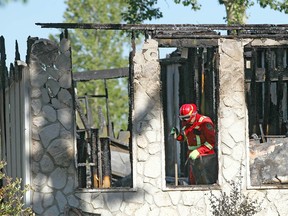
x=5, y=2
x=139, y=11
x=97, y=50
x=235, y=9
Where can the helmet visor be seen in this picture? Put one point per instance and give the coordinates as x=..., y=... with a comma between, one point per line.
x=184, y=117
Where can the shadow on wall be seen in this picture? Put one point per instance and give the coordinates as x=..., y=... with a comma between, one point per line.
x=53, y=169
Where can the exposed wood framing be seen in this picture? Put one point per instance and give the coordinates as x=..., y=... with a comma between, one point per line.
x=101, y=74
x=208, y=31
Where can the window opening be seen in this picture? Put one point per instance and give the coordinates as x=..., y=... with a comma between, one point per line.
x=266, y=80
x=103, y=144
x=189, y=75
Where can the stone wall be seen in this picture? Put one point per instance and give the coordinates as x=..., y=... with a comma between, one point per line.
x=54, y=171
x=233, y=127
x=52, y=156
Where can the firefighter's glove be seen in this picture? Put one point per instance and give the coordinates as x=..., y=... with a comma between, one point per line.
x=174, y=131
x=194, y=154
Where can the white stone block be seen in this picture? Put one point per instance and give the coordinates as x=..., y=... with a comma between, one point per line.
x=175, y=197
x=143, y=210
x=152, y=168
x=154, y=148
x=162, y=199
x=150, y=44
x=168, y=211
x=113, y=201
x=142, y=155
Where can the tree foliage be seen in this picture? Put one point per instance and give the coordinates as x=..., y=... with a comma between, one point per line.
x=139, y=11
x=236, y=9
x=97, y=50
x=5, y=2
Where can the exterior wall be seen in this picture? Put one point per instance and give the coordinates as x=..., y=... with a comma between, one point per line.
x=54, y=174
x=233, y=126
x=52, y=151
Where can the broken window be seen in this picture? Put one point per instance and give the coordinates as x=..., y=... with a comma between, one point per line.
x=103, y=135
x=266, y=82
x=189, y=75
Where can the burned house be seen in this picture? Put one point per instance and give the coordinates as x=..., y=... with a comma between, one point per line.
x=237, y=75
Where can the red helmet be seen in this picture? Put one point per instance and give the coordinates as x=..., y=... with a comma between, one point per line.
x=187, y=111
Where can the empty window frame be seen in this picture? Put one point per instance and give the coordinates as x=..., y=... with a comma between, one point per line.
x=103, y=130
x=266, y=83
x=188, y=75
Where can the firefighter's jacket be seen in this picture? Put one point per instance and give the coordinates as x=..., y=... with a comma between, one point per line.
x=200, y=135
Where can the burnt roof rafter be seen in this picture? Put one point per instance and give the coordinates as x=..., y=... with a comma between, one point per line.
x=179, y=31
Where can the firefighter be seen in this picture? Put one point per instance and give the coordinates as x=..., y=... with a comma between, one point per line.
x=199, y=133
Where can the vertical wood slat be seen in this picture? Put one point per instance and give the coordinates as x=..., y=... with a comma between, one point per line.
x=94, y=140
x=193, y=67
x=209, y=85
x=285, y=101
x=200, y=70
x=7, y=127
x=216, y=65
x=188, y=78
x=106, y=162
x=267, y=98
x=181, y=98
x=26, y=129
x=99, y=162
x=12, y=112
x=260, y=63
x=280, y=86
x=2, y=96
x=18, y=112
x=253, y=93
x=81, y=158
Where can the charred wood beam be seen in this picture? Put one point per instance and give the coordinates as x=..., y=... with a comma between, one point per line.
x=162, y=42
x=118, y=143
x=106, y=162
x=200, y=71
x=82, y=116
x=94, y=140
x=3, y=68
x=274, y=75
x=208, y=85
x=195, y=36
x=188, y=27
x=101, y=74
x=81, y=159
x=198, y=31
x=172, y=60
x=267, y=93
x=280, y=87
x=253, y=117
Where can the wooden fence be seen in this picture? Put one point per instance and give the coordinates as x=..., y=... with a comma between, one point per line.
x=14, y=104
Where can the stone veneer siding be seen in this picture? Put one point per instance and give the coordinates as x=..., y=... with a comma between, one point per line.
x=54, y=173
x=52, y=152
